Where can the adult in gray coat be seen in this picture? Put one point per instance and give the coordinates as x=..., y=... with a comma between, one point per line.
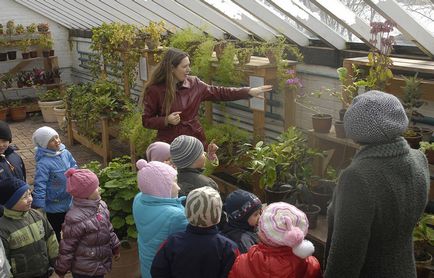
x=379, y=197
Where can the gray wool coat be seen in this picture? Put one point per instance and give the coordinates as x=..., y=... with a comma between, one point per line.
x=378, y=200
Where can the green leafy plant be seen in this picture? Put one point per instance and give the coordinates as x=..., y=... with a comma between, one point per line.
x=226, y=73
x=118, y=188
x=286, y=161
x=31, y=28
x=20, y=29
x=131, y=129
x=423, y=234
x=43, y=27
x=154, y=33
x=426, y=146
x=45, y=42
x=201, y=61
x=187, y=40
x=24, y=45
x=412, y=94
x=10, y=27
x=50, y=95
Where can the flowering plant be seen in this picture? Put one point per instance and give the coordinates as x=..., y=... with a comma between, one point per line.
x=379, y=61
x=293, y=81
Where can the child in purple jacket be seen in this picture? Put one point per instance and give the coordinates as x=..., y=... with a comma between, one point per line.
x=89, y=243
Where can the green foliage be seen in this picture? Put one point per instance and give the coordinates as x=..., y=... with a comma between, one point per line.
x=20, y=29
x=131, y=128
x=31, y=28
x=423, y=233
x=154, y=32
x=45, y=42
x=50, y=95
x=226, y=73
x=89, y=102
x=118, y=188
x=10, y=27
x=201, y=60
x=412, y=95
x=187, y=40
x=286, y=161
x=24, y=45
x=426, y=146
x=228, y=137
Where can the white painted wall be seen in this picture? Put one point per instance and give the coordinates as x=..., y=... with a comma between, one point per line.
x=10, y=9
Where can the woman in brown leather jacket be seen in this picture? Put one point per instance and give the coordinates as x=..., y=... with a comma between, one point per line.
x=172, y=98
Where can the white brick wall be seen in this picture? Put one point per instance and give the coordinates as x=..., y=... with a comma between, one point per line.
x=23, y=15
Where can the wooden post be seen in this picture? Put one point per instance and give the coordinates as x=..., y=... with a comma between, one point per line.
x=105, y=140
x=258, y=125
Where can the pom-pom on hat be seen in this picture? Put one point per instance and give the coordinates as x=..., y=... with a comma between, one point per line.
x=375, y=117
x=185, y=150
x=155, y=178
x=43, y=135
x=81, y=183
x=203, y=207
x=240, y=204
x=11, y=191
x=158, y=151
x=5, y=131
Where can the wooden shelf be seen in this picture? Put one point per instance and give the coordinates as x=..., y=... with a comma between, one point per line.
x=35, y=86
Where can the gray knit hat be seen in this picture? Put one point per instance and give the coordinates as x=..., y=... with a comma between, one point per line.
x=203, y=207
x=185, y=150
x=375, y=117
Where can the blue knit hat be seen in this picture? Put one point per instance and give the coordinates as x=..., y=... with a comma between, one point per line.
x=11, y=191
x=375, y=117
x=240, y=204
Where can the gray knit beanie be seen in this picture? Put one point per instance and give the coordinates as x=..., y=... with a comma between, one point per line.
x=203, y=207
x=375, y=117
x=185, y=150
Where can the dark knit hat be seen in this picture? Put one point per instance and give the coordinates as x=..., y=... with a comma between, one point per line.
x=240, y=204
x=5, y=131
x=11, y=191
x=375, y=117
x=185, y=150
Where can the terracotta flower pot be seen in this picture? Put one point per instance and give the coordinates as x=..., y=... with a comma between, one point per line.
x=18, y=113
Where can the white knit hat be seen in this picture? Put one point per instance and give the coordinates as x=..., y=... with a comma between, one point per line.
x=43, y=135
x=375, y=117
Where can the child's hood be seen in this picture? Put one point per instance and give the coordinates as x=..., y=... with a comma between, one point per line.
x=41, y=152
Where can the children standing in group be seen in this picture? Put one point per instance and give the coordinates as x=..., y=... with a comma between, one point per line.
x=28, y=239
x=243, y=210
x=189, y=158
x=157, y=210
x=158, y=151
x=89, y=242
x=52, y=161
x=200, y=251
x=11, y=164
x=283, y=251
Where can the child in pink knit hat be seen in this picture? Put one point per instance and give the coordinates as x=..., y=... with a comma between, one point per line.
x=157, y=210
x=282, y=229
x=87, y=230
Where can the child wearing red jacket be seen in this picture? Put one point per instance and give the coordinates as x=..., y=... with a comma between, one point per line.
x=283, y=252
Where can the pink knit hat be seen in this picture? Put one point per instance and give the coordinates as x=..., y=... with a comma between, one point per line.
x=282, y=224
x=158, y=151
x=81, y=183
x=155, y=178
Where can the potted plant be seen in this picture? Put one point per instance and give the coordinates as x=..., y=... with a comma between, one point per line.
x=201, y=60
x=47, y=101
x=187, y=39
x=7, y=80
x=423, y=236
x=10, y=27
x=428, y=149
x=19, y=30
x=24, y=47
x=305, y=203
x=31, y=29
x=154, y=33
x=17, y=111
x=46, y=43
x=226, y=73
x=43, y=27
x=118, y=182
x=321, y=122
x=280, y=165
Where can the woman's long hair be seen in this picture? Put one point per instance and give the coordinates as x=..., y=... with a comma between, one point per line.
x=163, y=74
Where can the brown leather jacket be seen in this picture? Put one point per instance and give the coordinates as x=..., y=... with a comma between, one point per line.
x=189, y=95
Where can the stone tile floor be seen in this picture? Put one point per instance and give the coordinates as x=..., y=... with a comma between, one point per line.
x=22, y=138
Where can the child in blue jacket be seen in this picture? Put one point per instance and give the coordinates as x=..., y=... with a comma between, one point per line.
x=52, y=161
x=157, y=210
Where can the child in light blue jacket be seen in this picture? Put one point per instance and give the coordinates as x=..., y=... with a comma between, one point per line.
x=52, y=161
x=157, y=210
